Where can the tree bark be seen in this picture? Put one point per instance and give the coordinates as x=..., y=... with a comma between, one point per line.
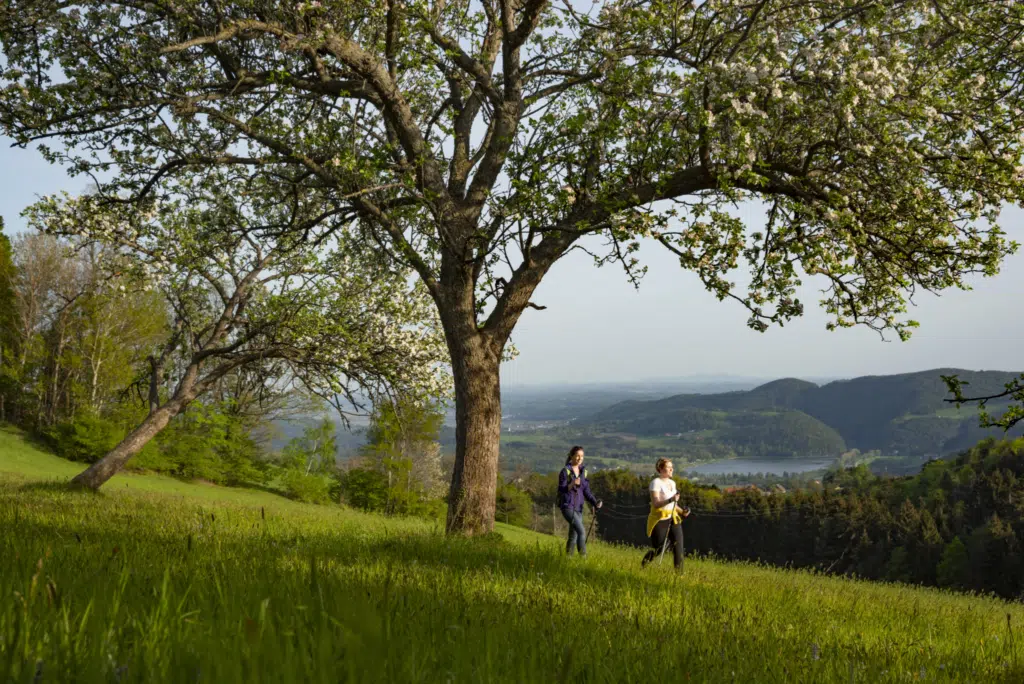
x=94, y=381
x=51, y=411
x=98, y=473
x=155, y=367
x=475, y=366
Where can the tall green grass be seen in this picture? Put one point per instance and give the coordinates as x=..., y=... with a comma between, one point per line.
x=143, y=585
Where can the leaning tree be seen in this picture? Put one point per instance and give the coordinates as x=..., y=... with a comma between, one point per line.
x=479, y=141
x=255, y=284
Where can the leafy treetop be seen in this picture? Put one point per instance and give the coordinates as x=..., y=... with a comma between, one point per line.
x=882, y=136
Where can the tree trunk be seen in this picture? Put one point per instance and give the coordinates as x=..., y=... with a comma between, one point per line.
x=95, y=382
x=55, y=384
x=154, y=383
x=475, y=365
x=102, y=470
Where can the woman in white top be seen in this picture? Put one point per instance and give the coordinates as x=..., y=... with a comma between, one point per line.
x=666, y=518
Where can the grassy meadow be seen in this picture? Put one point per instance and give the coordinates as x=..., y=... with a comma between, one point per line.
x=157, y=580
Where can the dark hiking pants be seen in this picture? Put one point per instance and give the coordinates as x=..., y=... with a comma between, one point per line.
x=675, y=534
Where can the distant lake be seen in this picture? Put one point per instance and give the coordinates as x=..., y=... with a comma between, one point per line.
x=744, y=465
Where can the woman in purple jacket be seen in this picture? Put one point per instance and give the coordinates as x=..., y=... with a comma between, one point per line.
x=573, y=489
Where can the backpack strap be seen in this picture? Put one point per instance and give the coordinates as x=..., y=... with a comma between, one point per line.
x=583, y=472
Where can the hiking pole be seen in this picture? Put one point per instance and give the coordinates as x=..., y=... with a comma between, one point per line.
x=668, y=532
x=593, y=519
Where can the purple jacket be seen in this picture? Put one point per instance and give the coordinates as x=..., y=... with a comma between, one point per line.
x=569, y=495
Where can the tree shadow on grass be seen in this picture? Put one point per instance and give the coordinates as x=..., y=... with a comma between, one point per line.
x=51, y=487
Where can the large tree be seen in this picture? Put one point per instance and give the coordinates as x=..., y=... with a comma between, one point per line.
x=256, y=284
x=478, y=141
x=50, y=283
x=8, y=320
x=71, y=339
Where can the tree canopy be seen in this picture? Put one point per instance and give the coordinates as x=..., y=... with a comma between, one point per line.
x=478, y=142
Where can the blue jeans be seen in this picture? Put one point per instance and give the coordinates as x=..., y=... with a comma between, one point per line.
x=577, y=533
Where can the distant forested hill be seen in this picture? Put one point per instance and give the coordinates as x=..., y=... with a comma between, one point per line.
x=905, y=414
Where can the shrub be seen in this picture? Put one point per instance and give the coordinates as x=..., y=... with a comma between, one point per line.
x=307, y=487
x=513, y=506
x=955, y=567
x=365, y=488
x=87, y=438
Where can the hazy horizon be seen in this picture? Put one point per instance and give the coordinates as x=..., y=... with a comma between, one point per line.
x=724, y=379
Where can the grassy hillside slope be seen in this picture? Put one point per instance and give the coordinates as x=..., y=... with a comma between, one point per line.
x=160, y=580
x=21, y=462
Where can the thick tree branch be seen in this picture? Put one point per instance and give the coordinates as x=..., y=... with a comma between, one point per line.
x=530, y=15
x=516, y=295
x=479, y=70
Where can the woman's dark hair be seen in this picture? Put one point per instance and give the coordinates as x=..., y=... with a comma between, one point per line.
x=572, y=454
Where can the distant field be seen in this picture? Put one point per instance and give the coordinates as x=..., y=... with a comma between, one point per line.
x=158, y=580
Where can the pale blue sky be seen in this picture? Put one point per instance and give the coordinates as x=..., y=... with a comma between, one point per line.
x=598, y=328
